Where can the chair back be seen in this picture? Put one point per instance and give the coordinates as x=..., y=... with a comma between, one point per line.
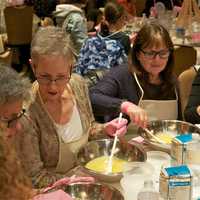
x=185, y=80
x=19, y=22
x=185, y=56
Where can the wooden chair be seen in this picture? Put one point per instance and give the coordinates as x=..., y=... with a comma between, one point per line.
x=19, y=22
x=19, y=25
x=185, y=56
x=185, y=80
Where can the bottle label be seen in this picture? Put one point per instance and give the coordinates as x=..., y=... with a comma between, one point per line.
x=175, y=184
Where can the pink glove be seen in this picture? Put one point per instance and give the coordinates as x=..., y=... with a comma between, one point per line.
x=137, y=115
x=56, y=195
x=69, y=180
x=114, y=127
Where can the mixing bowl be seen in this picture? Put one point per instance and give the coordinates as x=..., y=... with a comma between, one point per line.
x=93, y=191
x=98, y=148
x=172, y=127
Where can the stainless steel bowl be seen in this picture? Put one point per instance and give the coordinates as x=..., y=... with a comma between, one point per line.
x=93, y=191
x=97, y=148
x=173, y=127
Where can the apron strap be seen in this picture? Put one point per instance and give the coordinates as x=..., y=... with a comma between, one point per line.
x=140, y=87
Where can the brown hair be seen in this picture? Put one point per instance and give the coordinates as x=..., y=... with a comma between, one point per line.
x=112, y=13
x=153, y=34
x=14, y=185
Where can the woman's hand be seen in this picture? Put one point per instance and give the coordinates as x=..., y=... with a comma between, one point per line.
x=137, y=115
x=115, y=127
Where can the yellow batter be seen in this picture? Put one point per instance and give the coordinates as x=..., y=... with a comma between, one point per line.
x=165, y=137
x=100, y=164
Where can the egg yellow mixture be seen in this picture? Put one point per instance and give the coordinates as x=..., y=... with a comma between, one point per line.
x=165, y=137
x=100, y=164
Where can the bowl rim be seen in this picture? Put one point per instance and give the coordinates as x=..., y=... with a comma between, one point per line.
x=96, y=183
x=174, y=120
x=109, y=174
x=164, y=147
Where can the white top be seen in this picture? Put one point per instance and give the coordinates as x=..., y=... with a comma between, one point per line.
x=72, y=130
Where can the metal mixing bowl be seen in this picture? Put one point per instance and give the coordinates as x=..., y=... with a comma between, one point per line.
x=174, y=127
x=93, y=191
x=97, y=148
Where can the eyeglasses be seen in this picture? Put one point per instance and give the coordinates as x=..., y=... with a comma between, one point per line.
x=163, y=54
x=12, y=122
x=45, y=80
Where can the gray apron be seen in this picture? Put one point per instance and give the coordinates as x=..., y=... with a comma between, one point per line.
x=67, y=152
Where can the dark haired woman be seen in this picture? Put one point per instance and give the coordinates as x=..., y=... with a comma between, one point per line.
x=146, y=89
x=114, y=20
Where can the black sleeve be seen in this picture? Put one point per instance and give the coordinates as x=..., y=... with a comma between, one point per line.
x=104, y=96
x=190, y=112
x=117, y=86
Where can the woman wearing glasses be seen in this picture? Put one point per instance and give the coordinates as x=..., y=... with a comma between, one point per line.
x=61, y=118
x=13, y=94
x=146, y=89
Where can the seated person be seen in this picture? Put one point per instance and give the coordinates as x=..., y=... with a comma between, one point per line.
x=14, y=94
x=94, y=18
x=60, y=119
x=113, y=23
x=146, y=86
x=14, y=183
x=192, y=110
x=109, y=48
x=72, y=19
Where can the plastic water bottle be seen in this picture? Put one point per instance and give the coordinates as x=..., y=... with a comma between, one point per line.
x=148, y=192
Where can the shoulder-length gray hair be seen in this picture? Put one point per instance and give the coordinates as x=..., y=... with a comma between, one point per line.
x=52, y=40
x=13, y=87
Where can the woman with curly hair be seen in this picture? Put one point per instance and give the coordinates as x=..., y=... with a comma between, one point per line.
x=14, y=185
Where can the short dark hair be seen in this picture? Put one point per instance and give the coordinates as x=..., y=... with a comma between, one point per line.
x=113, y=12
